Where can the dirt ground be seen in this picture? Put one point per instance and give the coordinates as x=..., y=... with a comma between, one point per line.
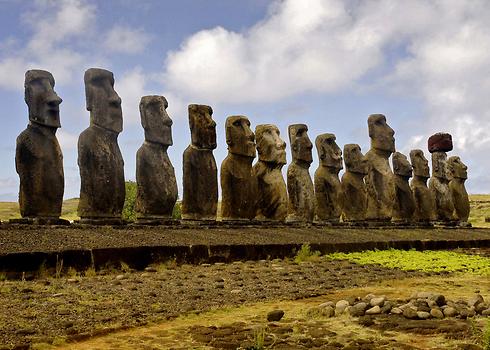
x=209, y=306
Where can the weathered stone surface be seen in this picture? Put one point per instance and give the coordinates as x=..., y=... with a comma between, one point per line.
x=404, y=205
x=272, y=201
x=439, y=187
x=155, y=176
x=328, y=191
x=200, y=182
x=354, y=193
x=341, y=306
x=238, y=186
x=458, y=175
x=379, y=180
x=301, y=205
x=358, y=309
x=423, y=197
x=440, y=142
x=100, y=161
x=38, y=157
x=436, y=313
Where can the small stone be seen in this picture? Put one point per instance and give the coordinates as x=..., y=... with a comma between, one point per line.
x=410, y=313
x=480, y=307
x=145, y=274
x=450, y=311
x=436, y=313
x=358, y=309
x=120, y=277
x=388, y=305
x=396, y=311
x=328, y=303
x=486, y=312
x=421, y=295
x=275, y=315
x=423, y=315
x=235, y=291
x=340, y=307
x=150, y=269
x=374, y=310
x=439, y=299
x=378, y=301
x=327, y=311
x=368, y=298
x=72, y=280
x=477, y=299
x=56, y=295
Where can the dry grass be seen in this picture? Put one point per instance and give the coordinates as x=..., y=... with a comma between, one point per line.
x=10, y=210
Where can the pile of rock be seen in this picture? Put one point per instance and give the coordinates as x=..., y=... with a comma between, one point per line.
x=422, y=306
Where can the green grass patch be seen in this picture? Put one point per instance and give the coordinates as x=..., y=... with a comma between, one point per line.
x=306, y=254
x=412, y=260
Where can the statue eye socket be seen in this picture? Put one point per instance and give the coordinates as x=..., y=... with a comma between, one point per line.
x=236, y=123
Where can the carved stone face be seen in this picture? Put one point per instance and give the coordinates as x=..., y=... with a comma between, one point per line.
x=380, y=133
x=457, y=168
x=239, y=137
x=270, y=147
x=41, y=99
x=155, y=120
x=329, y=152
x=103, y=102
x=203, y=127
x=301, y=145
x=355, y=162
x=439, y=165
x=401, y=165
x=420, y=164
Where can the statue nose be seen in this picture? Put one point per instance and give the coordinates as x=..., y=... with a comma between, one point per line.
x=54, y=100
x=115, y=100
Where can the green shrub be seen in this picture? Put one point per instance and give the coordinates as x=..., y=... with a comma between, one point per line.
x=177, y=212
x=306, y=254
x=129, y=213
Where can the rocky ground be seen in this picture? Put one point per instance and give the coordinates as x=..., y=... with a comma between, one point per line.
x=75, y=307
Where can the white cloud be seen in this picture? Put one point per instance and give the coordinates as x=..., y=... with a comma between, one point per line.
x=131, y=87
x=301, y=46
x=126, y=40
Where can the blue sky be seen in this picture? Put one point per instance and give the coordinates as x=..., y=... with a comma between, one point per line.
x=326, y=63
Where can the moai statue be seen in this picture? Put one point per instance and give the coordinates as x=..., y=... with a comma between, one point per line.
x=272, y=201
x=423, y=198
x=458, y=173
x=238, y=193
x=379, y=180
x=155, y=176
x=439, y=144
x=100, y=161
x=328, y=191
x=404, y=204
x=301, y=205
x=354, y=193
x=200, y=200
x=38, y=157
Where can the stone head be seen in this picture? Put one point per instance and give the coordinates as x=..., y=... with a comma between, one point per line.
x=401, y=165
x=420, y=164
x=457, y=169
x=329, y=153
x=355, y=162
x=155, y=120
x=103, y=102
x=270, y=147
x=42, y=101
x=380, y=133
x=203, y=127
x=439, y=165
x=239, y=137
x=301, y=145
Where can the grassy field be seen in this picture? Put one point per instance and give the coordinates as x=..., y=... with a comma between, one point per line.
x=480, y=208
x=10, y=210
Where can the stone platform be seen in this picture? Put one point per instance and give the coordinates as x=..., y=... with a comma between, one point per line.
x=27, y=247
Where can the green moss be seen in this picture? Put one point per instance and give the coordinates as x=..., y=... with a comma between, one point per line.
x=129, y=213
x=428, y=261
